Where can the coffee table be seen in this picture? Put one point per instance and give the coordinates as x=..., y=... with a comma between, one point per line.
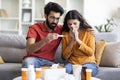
x=94, y=78
x=19, y=78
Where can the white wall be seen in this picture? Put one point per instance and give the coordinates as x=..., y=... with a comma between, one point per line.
x=97, y=11
x=75, y=4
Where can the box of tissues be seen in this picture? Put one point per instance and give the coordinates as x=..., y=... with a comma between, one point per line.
x=53, y=73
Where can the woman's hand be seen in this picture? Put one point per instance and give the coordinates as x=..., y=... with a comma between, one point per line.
x=72, y=35
x=76, y=33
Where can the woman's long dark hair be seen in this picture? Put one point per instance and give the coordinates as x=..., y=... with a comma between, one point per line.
x=74, y=14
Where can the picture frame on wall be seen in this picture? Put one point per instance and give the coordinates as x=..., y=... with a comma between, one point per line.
x=27, y=17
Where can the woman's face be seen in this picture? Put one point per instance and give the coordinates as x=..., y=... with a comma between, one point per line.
x=73, y=23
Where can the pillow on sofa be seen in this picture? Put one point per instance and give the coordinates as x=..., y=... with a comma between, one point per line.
x=111, y=55
x=1, y=60
x=99, y=47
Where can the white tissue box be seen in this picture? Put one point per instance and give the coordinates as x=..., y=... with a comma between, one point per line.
x=53, y=74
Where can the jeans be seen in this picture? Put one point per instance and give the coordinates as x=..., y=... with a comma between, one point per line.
x=37, y=62
x=92, y=66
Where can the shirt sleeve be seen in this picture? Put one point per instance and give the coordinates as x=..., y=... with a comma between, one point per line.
x=31, y=33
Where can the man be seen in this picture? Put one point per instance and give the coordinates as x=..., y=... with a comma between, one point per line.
x=42, y=40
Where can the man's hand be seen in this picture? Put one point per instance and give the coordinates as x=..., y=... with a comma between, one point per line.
x=92, y=31
x=33, y=47
x=51, y=37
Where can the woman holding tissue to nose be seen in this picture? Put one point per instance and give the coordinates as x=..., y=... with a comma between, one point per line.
x=79, y=45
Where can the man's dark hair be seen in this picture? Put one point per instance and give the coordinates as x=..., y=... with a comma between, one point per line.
x=52, y=6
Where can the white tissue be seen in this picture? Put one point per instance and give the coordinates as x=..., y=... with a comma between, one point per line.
x=54, y=66
x=54, y=73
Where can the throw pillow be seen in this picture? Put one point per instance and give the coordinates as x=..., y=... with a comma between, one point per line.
x=111, y=55
x=99, y=47
x=1, y=60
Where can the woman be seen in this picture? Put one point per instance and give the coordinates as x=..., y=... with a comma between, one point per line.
x=78, y=46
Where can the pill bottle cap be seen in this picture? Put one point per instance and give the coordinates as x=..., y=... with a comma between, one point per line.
x=88, y=70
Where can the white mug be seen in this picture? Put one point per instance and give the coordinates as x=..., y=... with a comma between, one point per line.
x=77, y=71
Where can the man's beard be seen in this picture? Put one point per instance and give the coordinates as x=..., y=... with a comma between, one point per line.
x=51, y=25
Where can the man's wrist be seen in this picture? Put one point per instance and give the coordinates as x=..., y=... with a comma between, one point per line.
x=46, y=40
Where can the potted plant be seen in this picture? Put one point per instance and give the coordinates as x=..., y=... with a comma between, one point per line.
x=107, y=27
x=105, y=30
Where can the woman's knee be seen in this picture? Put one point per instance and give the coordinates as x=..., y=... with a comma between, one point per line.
x=68, y=68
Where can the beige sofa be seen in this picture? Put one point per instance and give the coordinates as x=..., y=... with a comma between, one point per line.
x=12, y=49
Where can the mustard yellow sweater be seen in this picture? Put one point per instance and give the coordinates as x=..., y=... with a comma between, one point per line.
x=79, y=54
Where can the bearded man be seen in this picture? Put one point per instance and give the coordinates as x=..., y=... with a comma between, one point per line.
x=42, y=42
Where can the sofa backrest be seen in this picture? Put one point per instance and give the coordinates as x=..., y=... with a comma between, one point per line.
x=107, y=36
x=12, y=47
x=10, y=40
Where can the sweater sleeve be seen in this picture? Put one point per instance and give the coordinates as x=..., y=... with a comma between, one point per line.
x=89, y=47
x=66, y=51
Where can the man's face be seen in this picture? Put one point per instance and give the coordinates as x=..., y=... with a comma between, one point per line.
x=52, y=19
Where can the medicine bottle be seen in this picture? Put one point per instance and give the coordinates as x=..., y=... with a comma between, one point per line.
x=31, y=72
x=24, y=73
x=88, y=74
x=38, y=73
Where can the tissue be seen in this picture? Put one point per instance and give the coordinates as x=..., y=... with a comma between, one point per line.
x=53, y=73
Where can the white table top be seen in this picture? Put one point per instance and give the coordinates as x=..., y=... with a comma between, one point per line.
x=19, y=78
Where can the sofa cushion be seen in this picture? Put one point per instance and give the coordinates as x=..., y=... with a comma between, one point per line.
x=58, y=55
x=12, y=54
x=111, y=55
x=1, y=60
x=99, y=47
x=108, y=73
x=10, y=40
x=8, y=71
